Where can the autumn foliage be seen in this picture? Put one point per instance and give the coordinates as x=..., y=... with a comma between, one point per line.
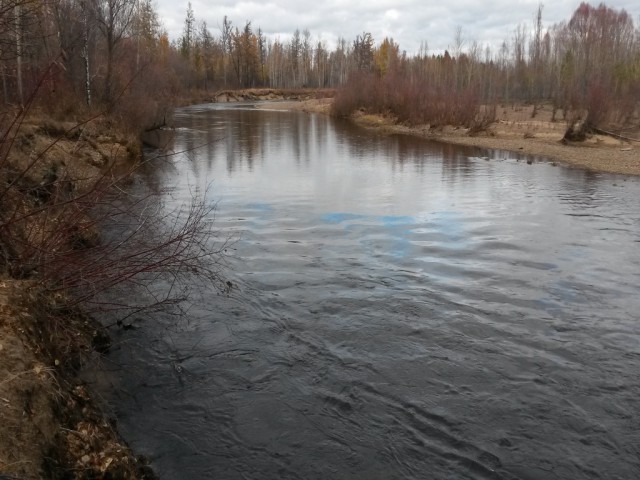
x=80, y=81
x=410, y=101
x=114, y=57
x=588, y=69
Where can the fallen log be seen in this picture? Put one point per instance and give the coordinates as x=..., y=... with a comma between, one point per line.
x=615, y=135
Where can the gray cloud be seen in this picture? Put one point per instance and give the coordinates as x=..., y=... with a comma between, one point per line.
x=409, y=22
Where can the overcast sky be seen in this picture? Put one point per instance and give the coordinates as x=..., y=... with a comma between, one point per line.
x=409, y=22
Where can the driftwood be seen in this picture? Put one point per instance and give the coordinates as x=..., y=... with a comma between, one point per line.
x=579, y=131
x=615, y=135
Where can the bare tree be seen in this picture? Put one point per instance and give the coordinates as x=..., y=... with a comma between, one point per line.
x=535, y=62
x=83, y=238
x=18, y=30
x=226, y=42
x=206, y=51
x=114, y=19
x=189, y=34
x=363, y=52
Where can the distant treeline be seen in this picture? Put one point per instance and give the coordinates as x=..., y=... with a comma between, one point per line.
x=114, y=55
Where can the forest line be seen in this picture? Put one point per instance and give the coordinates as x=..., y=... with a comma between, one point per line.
x=75, y=56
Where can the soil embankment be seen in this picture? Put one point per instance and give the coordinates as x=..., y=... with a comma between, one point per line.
x=51, y=427
x=516, y=131
x=259, y=95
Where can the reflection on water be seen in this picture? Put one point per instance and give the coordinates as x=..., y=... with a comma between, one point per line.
x=401, y=309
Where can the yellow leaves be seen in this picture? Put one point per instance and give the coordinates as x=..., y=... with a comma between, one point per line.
x=386, y=55
x=164, y=46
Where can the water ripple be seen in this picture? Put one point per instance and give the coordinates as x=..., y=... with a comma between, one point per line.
x=400, y=309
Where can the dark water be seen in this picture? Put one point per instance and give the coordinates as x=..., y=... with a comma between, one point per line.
x=401, y=309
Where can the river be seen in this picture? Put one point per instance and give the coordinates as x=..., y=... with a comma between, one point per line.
x=400, y=309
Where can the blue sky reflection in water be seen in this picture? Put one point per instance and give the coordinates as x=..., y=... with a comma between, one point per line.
x=402, y=309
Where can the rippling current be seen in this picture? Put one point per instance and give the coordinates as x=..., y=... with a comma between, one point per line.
x=400, y=310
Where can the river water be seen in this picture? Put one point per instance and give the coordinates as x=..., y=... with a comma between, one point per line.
x=400, y=309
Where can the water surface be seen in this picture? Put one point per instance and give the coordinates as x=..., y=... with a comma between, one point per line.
x=401, y=309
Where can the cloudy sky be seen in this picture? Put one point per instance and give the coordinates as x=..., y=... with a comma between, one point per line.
x=409, y=22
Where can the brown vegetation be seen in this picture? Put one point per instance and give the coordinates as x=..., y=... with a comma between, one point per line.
x=117, y=59
x=61, y=184
x=588, y=69
x=74, y=77
x=411, y=101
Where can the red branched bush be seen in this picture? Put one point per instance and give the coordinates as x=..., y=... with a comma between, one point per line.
x=411, y=101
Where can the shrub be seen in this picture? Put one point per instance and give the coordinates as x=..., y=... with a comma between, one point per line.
x=598, y=105
x=56, y=202
x=411, y=101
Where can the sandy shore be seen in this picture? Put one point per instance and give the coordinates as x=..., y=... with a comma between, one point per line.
x=514, y=131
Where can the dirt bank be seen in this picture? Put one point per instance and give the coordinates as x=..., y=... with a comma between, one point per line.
x=258, y=95
x=515, y=131
x=51, y=426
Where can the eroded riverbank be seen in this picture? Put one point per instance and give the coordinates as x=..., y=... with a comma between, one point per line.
x=52, y=426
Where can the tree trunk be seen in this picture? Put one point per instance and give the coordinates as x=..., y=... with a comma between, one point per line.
x=5, y=90
x=87, y=70
x=19, y=54
x=108, y=87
